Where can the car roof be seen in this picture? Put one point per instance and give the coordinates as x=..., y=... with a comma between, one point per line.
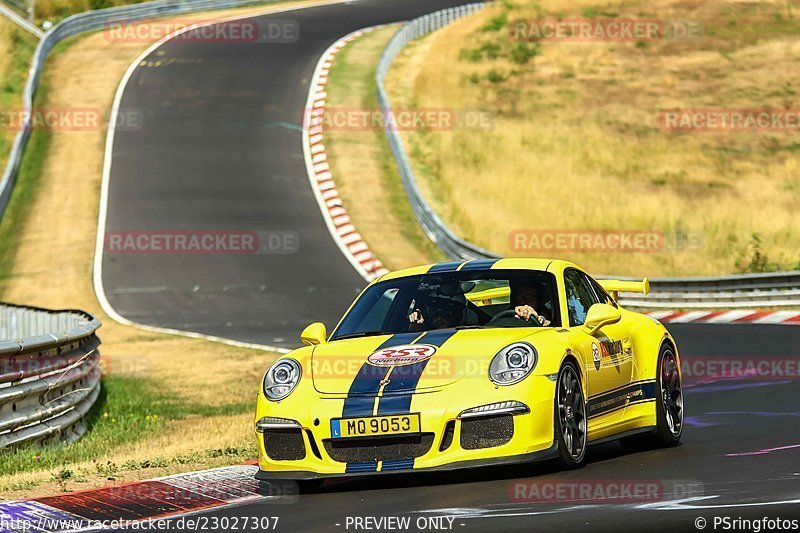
x=510, y=263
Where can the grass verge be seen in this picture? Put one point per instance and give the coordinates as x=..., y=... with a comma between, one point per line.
x=16, y=50
x=577, y=142
x=362, y=163
x=197, y=394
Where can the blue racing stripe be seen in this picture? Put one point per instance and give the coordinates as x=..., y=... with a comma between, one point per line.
x=406, y=378
x=368, y=466
x=479, y=264
x=360, y=399
x=361, y=396
x=450, y=266
x=398, y=464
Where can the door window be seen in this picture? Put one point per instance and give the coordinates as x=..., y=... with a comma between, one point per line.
x=580, y=296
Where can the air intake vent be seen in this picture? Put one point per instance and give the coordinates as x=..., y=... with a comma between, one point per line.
x=379, y=449
x=486, y=432
x=284, y=444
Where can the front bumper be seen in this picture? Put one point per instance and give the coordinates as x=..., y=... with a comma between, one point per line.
x=300, y=475
x=445, y=443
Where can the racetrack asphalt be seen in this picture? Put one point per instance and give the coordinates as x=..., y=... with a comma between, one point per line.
x=217, y=151
x=739, y=458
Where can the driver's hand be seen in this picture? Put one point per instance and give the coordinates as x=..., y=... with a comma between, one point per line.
x=525, y=312
x=416, y=317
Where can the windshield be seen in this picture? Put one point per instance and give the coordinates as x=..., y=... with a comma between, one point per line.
x=477, y=299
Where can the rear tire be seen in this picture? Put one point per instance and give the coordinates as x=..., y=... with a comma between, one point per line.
x=669, y=407
x=669, y=399
x=570, y=418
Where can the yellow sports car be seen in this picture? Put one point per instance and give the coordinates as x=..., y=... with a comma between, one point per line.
x=469, y=364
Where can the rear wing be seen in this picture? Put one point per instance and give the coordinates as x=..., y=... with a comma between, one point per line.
x=614, y=286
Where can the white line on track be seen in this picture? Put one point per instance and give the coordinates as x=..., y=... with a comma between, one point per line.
x=107, y=161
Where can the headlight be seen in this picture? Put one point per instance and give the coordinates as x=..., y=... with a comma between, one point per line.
x=513, y=363
x=281, y=379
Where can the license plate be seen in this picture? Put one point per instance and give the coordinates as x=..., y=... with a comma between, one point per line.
x=375, y=426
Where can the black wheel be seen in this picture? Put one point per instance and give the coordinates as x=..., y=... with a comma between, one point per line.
x=669, y=407
x=570, y=418
x=669, y=399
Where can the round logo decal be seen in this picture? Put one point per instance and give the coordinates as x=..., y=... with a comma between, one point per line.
x=596, y=352
x=407, y=354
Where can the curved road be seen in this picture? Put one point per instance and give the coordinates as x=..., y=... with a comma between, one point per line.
x=215, y=153
x=220, y=150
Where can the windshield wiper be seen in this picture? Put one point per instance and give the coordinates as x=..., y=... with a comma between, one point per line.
x=361, y=334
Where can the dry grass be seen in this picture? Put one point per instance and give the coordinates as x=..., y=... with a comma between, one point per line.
x=226, y=440
x=16, y=50
x=6, y=46
x=362, y=163
x=577, y=142
x=55, y=10
x=47, y=261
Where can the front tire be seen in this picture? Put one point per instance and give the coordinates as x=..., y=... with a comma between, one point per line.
x=570, y=418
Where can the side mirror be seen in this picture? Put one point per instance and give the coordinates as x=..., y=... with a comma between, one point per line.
x=600, y=315
x=315, y=333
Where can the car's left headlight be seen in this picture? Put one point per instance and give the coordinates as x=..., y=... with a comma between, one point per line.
x=281, y=379
x=513, y=363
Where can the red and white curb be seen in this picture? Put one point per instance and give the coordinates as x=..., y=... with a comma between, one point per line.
x=118, y=506
x=739, y=316
x=319, y=172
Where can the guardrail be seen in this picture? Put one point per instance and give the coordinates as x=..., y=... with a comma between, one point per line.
x=431, y=224
x=777, y=290
x=88, y=21
x=49, y=374
x=20, y=20
x=774, y=290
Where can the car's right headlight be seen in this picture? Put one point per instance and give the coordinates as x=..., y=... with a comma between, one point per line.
x=281, y=379
x=513, y=363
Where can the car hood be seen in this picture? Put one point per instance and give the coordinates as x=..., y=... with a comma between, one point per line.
x=410, y=362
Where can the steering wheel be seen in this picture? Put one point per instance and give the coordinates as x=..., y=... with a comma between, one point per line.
x=509, y=318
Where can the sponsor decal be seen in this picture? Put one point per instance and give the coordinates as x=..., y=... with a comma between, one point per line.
x=611, y=348
x=617, y=399
x=401, y=355
x=596, y=353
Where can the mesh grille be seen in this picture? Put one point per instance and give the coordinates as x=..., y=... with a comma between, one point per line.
x=486, y=432
x=284, y=445
x=379, y=449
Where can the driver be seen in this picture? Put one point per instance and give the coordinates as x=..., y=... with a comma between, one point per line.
x=525, y=299
x=439, y=313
